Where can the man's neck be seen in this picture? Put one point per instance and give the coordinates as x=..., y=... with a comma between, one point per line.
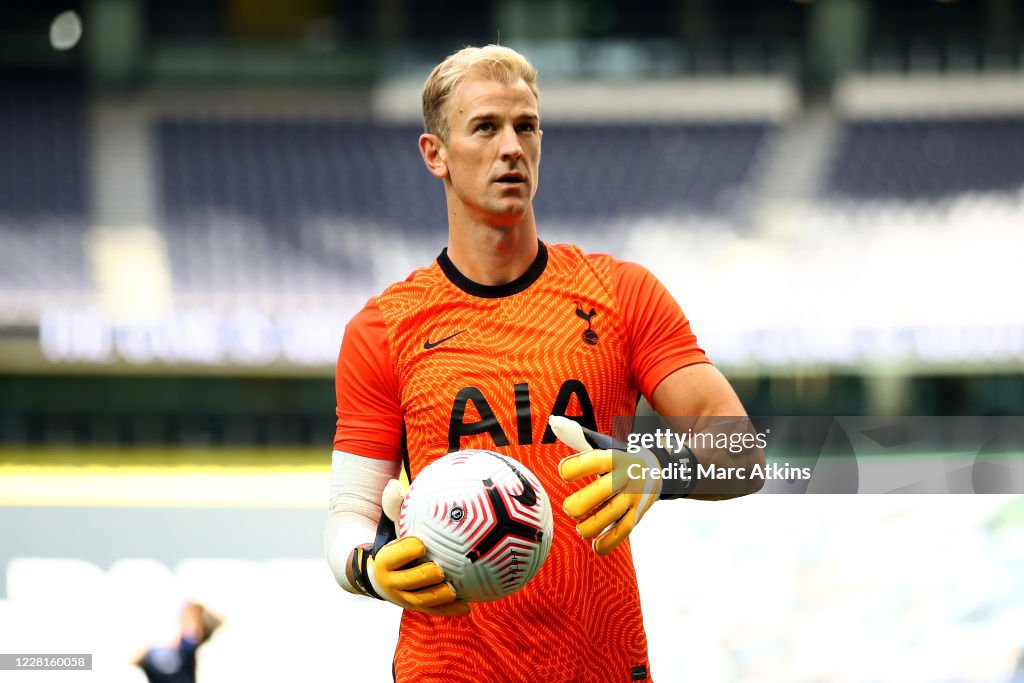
x=491, y=255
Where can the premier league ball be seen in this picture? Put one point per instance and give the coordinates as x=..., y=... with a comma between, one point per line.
x=483, y=518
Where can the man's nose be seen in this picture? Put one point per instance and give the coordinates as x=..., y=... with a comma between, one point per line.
x=510, y=145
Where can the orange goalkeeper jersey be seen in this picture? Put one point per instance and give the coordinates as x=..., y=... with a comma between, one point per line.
x=438, y=363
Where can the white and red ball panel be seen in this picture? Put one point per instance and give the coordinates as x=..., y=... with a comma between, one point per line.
x=485, y=520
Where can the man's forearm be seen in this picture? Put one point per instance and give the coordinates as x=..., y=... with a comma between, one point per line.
x=698, y=402
x=730, y=459
x=355, y=509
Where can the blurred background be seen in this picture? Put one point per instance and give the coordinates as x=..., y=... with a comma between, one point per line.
x=195, y=197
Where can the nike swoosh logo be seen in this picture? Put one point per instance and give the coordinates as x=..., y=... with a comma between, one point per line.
x=529, y=495
x=429, y=344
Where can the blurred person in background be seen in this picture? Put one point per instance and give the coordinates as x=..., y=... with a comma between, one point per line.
x=476, y=350
x=176, y=662
x=1018, y=672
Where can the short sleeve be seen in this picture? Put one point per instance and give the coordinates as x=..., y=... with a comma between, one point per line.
x=368, y=404
x=659, y=334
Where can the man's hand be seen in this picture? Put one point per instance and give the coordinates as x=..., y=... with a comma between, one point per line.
x=608, y=508
x=390, y=569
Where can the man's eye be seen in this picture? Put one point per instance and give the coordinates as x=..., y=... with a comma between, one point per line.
x=485, y=127
x=525, y=127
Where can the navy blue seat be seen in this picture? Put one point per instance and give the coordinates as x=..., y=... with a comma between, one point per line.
x=928, y=159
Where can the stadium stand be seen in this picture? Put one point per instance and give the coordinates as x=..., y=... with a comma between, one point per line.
x=596, y=174
x=43, y=197
x=268, y=205
x=281, y=216
x=928, y=158
x=254, y=204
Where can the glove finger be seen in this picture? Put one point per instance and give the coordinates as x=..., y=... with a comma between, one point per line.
x=434, y=596
x=399, y=553
x=579, y=438
x=416, y=578
x=606, y=542
x=456, y=608
x=646, y=502
x=599, y=440
x=604, y=516
x=391, y=499
x=587, y=463
x=583, y=502
x=569, y=432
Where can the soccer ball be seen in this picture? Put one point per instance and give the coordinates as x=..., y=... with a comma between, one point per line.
x=483, y=518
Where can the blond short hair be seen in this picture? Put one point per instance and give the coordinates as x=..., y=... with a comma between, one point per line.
x=494, y=62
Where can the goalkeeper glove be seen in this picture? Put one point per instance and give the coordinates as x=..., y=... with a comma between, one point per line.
x=610, y=507
x=389, y=570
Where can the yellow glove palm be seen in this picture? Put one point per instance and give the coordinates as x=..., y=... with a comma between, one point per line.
x=608, y=508
x=391, y=569
x=419, y=587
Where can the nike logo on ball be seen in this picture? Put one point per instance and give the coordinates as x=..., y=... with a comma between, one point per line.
x=429, y=344
x=529, y=495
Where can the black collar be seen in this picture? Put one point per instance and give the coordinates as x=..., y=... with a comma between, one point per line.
x=531, y=275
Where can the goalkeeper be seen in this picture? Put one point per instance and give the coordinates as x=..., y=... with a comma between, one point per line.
x=477, y=350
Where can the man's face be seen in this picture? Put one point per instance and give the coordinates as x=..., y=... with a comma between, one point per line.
x=492, y=156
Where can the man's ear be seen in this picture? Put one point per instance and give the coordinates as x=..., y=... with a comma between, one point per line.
x=434, y=155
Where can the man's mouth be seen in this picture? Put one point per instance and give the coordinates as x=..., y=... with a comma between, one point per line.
x=511, y=179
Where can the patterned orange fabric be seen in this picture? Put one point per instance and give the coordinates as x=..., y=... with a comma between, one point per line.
x=437, y=363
